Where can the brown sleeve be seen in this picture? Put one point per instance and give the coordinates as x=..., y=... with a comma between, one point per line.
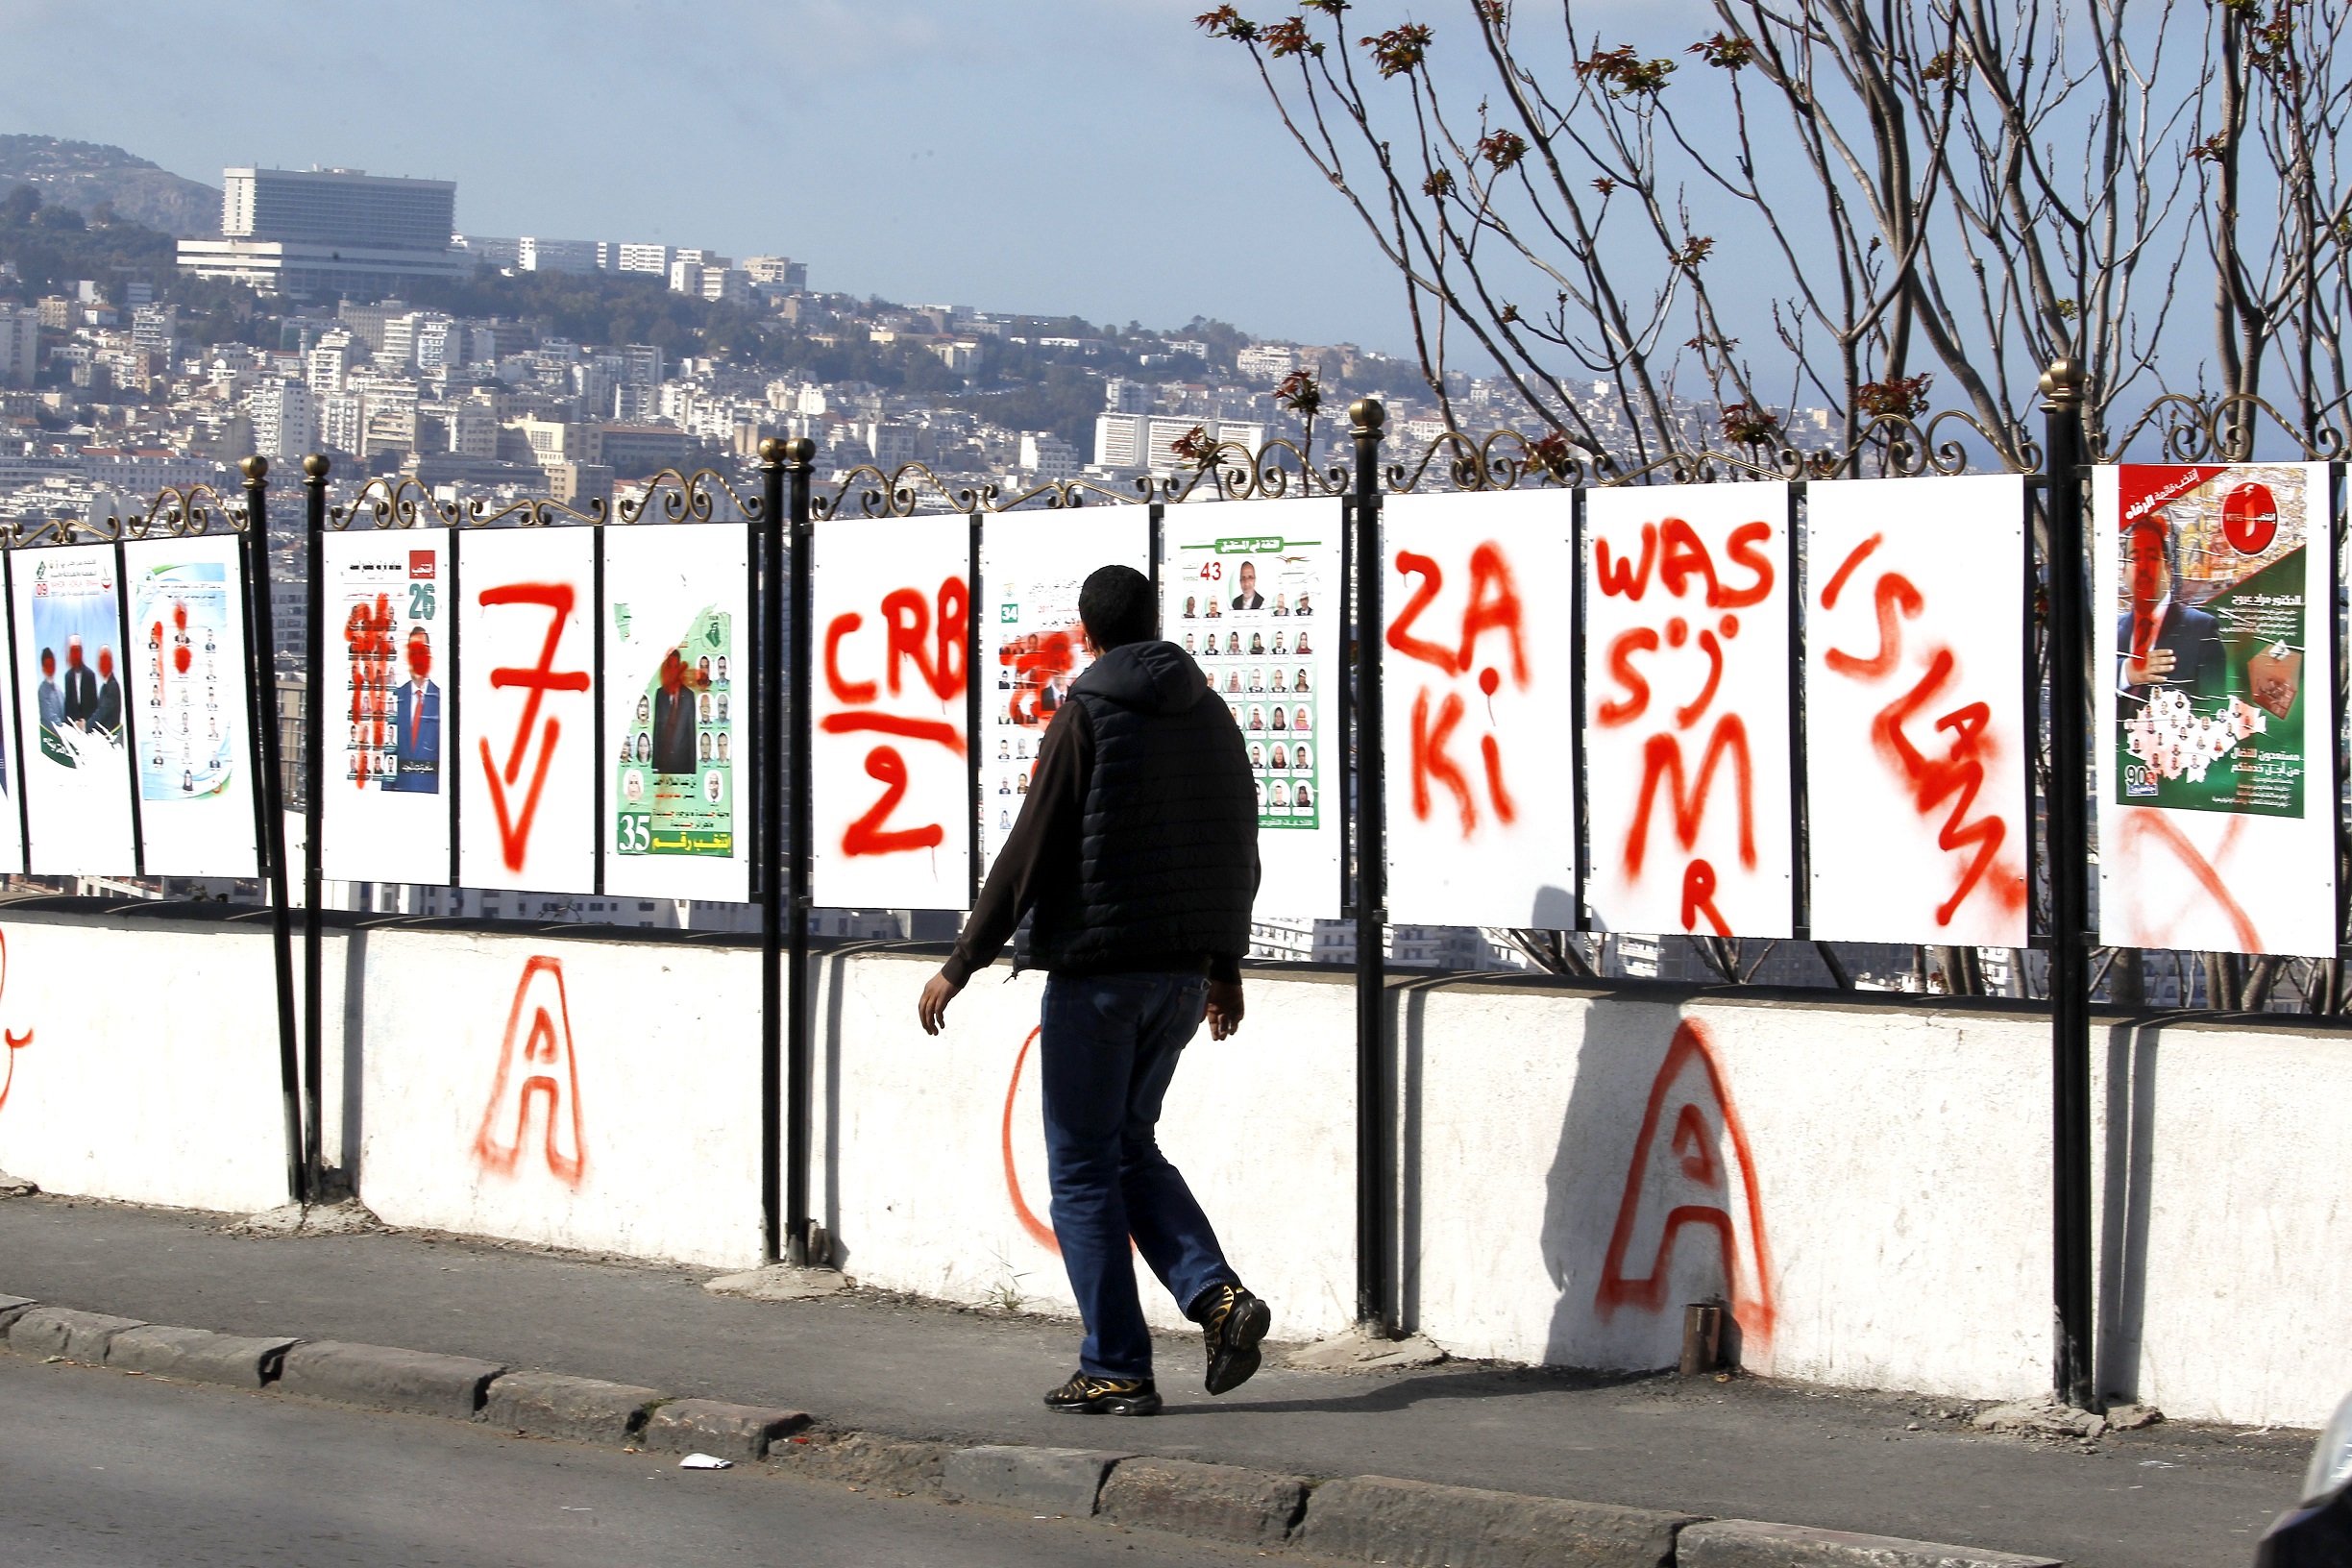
x=1044, y=846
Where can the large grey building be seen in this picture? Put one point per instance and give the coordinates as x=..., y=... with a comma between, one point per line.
x=311, y=233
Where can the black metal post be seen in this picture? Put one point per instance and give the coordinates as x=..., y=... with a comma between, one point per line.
x=799, y=457
x=771, y=555
x=269, y=797
x=2069, y=871
x=315, y=696
x=1373, y=1130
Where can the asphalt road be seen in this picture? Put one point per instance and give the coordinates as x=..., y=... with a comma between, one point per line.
x=101, y=1470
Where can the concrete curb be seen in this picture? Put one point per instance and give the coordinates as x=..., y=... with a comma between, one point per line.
x=729, y=1431
x=572, y=1410
x=1427, y=1526
x=1064, y=1480
x=60, y=1331
x=381, y=1378
x=199, y=1355
x=1374, y=1518
x=1744, y=1543
x=1221, y=1502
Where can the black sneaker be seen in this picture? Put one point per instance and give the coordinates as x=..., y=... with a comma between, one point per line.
x=1232, y=1321
x=1083, y=1395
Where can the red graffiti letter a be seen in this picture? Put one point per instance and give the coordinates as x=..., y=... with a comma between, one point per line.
x=539, y=1066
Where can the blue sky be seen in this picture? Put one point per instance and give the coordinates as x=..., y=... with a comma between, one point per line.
x=1099, y=156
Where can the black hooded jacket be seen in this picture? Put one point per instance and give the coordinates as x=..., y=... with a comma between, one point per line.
x=1137, y=843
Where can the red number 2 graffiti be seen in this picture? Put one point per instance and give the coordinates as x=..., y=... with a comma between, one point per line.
x=867, y=836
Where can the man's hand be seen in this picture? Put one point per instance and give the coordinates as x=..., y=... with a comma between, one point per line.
x=937, y=993
x=1224, y=1008
x=2154, y=668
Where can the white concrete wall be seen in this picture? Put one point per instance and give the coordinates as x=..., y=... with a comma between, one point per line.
x=1884, y=1200
x=148, y=1069
x=646, y=1139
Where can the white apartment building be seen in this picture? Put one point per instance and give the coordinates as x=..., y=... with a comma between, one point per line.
x=472, y=428
x=1148, y=441
x=439, y=343
x=652, y=259
x=20, y=344
x=285, y=419
x=574, y=256
x=1124, y=395
x=711, y=280
x=342, y=419
x=1266, y=361
x=641, y=364
x=325, y=367
x=153, y=327
x=1047, y=456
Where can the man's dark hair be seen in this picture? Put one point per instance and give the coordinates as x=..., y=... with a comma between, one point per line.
x=1117, y=608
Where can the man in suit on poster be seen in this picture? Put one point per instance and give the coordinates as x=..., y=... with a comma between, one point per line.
x=416, y=716
x=81, y=686
x=673, y=719
x=1249, y=598
x=2160, y=641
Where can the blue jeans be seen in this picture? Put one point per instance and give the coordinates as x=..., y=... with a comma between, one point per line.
x=1110, y=1044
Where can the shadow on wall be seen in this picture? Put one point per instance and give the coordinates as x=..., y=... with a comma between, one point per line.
x=1652, y=1200
x=2124, y=1183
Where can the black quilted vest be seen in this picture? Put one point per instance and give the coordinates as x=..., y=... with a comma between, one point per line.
x=1167, y=858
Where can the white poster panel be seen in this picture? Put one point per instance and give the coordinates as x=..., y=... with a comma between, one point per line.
x=11, y=760
x=1252, y=592
x=77, y=779
x=1477, y=666
x=526, y=724
x=1032, y=565
x=677, y=636
x=1916, y=738
x=2211, y=604
x=1686, y=709
x=890, y=752
x=385, y=783
x=189, y=691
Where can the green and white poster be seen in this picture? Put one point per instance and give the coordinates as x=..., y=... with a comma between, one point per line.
x=675, y=683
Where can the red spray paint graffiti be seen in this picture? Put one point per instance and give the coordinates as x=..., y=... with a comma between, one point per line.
x=1493, y=605
x=1039, y=1230
x=1678, y=1180
x=1949, y=783
x=932, y=635
x=537, y=679
x=10, y=1038
x=1685, y=570
x=537, y=1065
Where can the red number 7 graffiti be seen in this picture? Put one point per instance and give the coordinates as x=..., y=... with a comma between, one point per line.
x=943, y=664
x=538, y=679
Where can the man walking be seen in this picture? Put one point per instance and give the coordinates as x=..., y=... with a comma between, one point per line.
x=1137, y=850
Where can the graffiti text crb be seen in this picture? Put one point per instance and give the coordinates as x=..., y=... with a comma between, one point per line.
x=1492, y=606
x=932, y=635
x=1704, y=618
x=1949, y=783
x=537, y=1064
x=11, y=1042
x=537, y=680
x=1679, y=1178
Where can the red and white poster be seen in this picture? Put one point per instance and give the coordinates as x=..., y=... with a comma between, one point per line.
x=1686, y=709
x=889, y=749
x=70, y=700
x=2211, y=604
x=383, y=779
x=1915, y=735
x=189, y=736
x=527, y=751
x=1031, y=566
x=1477, y=666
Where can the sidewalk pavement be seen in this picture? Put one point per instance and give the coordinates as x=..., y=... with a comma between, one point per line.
x=2169, y=1496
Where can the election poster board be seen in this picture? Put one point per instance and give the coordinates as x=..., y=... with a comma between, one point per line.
x=1251, y=590
x=12, y=752
x=190, y=693
x=677, y=798
x=69, y=668
x=1478, y=665
x=526, y=692
x=1032, y=565
x=890, y=750
x=2212, y=608
x=385, y=773
x=1686, y=709
x=1915, y=741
